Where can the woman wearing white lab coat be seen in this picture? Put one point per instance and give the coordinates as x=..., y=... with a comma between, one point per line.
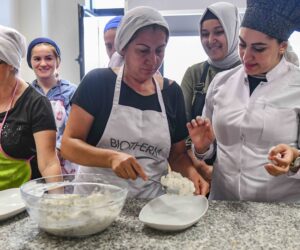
x=252, y=108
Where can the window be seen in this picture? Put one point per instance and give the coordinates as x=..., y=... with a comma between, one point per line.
x=94, y=49
x=182, y=52
x=106, y=4
x=97, y=14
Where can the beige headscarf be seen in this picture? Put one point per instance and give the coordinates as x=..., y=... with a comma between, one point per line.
x=12, y=46
x=135, y=19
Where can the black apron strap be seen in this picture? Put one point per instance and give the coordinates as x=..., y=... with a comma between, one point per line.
x=199, y=95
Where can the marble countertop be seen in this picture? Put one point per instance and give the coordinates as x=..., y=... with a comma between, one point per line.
x=226, y=225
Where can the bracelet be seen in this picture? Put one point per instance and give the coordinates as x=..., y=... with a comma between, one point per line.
x=295, y=165
x=204, y=155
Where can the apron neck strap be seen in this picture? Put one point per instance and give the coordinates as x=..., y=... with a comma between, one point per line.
x=118, y=86
x=160, y=98
x=118, y=90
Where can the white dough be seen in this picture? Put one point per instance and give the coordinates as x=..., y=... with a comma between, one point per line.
x=175, y=181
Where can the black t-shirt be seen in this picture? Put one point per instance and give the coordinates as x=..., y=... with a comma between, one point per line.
x=95, y=95
x=254, y=82
x=32, y=113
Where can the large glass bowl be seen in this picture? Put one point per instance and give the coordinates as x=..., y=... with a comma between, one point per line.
x=74, y=205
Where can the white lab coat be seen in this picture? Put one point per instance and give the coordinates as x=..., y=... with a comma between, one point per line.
x=246, y=127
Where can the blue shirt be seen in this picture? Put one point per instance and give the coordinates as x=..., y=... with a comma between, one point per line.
x=63, y=91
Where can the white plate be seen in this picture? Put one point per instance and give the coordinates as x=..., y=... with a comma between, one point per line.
x=11, y=203
x=173, y=212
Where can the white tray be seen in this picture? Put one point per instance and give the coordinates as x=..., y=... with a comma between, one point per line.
x=173, y=212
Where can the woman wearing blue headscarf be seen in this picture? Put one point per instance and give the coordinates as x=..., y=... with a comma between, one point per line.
x=109, y=35
x=44, y=58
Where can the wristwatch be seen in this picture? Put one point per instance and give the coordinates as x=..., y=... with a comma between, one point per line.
x=294, y=167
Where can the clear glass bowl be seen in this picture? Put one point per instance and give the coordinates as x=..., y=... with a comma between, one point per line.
x=74, y=205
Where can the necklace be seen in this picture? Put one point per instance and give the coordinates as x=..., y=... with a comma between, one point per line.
x=8, y=106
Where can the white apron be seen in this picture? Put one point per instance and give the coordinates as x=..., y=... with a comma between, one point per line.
x=60, y=115
x=141, y=133
x=59, y=111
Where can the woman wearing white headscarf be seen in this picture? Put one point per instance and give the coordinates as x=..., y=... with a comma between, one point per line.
x=27, y=128
x=130, y=122
x=219, y=30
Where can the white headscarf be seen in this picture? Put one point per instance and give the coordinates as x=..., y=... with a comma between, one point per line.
x=12, y=46
x=135, y=19
x=116, y=60
x=228, y=16
x=290, y=55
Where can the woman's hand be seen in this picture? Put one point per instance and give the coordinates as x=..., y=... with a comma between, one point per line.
x=126, y=166
x=203, y=169
x=180, y=162
x=201, y=186
x=201, y=133
x=281, y=157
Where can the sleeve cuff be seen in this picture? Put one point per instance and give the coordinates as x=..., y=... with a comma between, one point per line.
x=293, y=175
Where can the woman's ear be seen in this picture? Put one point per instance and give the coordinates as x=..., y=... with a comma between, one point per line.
x=123, y=52
x=282, y=47
x=12, y=69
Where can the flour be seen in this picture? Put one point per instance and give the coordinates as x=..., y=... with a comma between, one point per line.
x=175, y=181
x=76, y=215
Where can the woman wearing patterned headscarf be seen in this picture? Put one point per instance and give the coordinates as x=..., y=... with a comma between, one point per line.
x=130, y=122
x=254, y=107
x=27, y=128
x=219, y=30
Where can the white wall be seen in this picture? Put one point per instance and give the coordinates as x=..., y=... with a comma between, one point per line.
x=182, y=15
x=182, y=5
x=57, y=19
x=9, y=10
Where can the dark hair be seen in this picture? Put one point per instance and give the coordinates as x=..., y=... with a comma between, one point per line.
x=151, y=26
x=279, y=41
x=15, y=70
x=208, y=15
